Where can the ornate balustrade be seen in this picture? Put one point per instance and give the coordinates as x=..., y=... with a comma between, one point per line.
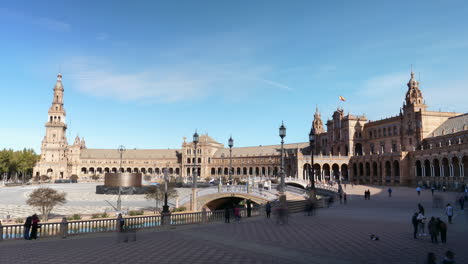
x=73, y=228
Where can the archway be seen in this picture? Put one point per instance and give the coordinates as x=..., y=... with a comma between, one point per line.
x=317, y=172
x=427, y=168
x=50, y=171
x=306, y=171
x=361, y=169
x=336, y=172
x=436, y=167
x=358, y=149
x=83, y=170
x=456, y=167
x=465, y=166
x=344, y=172
x=213, y=171
x=388, y=171
x=418, y=168
x=326, y=171
x=445, y=167
x=367, y=178
x=396, y=171
x=226, y=202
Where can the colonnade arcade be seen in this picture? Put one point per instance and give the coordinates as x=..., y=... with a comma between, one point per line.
x=245, y=171
x=324, y=172
x=376, y=171
x=151, y=171
x=441, y=169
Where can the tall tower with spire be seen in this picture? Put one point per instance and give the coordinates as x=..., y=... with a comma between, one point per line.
x=411, y=117
x=53, y=161
x=316, y=129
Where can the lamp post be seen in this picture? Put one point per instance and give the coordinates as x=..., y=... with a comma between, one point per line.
x=282, y=134
x=230, y=144
x=121, y=151
x=165, y=206
x=311, y=173
x=194, y=176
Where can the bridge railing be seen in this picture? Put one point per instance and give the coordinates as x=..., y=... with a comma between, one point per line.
x=73, y=228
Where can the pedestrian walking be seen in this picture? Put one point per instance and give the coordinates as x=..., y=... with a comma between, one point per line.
x=461, y=201
x=432, y=189
x=433, y=229
x=431, y=258
x=422, y=223
x=449, y=212
x=249, y=208
x=237, y=213
x=345, y=198
x=365, y=195
x=268, y=209
x=415, y=222
x=449, y=258
x=442, y=228
x=368, y=194
x=227, y=216
x=389, y=192
x=27, y=227
x=34, y=226
x=341, y=198
x=418, y=190
x=444, y=188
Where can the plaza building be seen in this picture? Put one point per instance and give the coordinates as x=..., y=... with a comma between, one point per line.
x=416, y=146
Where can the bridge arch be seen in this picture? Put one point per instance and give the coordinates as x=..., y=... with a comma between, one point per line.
x=222, y=200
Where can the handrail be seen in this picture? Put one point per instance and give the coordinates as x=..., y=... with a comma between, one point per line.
x=73, y=228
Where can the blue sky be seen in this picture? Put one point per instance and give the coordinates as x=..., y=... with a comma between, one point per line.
x=147, y=73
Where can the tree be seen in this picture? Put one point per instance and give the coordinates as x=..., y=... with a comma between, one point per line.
x=156, y=193
x=95, y=177
x=45, y=199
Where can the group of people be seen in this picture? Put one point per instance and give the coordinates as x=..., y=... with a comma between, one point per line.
x=30, y=227
x=367, y=195
x=237, y=214
x=435, y=226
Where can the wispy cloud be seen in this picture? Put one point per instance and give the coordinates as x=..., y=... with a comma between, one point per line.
x=169, y=83
x=102, y=36
x=43, y=22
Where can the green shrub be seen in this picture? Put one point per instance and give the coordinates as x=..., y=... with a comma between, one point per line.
x=94, y=216
x=105, y=215
x=19, y=220
x=74, y=217
x=180, y=209
x=136, y=212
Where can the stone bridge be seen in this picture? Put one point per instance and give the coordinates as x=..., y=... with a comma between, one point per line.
x=214, y=197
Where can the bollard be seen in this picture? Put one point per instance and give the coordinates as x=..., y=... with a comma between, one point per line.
x=64, y=227
x=117, y=223
x=1, y=231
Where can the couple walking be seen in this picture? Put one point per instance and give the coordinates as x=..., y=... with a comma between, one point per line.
x=30, y=227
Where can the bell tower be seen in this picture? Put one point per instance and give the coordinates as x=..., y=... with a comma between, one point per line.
x=317, y=124
x=411, y=117
x=53, y=161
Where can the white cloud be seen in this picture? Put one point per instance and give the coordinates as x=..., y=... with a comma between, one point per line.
x=169, y=83
x=44, y=22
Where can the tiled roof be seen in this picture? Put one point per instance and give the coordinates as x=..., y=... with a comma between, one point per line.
x=452, y=125
x=258, y=151
x=129, y=153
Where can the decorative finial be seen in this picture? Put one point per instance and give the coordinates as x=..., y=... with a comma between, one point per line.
x=59, y=77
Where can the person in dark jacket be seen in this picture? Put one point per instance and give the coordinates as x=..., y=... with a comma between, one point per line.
x=34, y=226
x=414, y=221
x=433, y=229
x=227, y=216
x=27, y=227
x=268, y=209
x=249, y=208
x=443, y=230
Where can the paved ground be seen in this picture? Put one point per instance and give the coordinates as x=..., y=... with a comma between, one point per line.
x=336, y=235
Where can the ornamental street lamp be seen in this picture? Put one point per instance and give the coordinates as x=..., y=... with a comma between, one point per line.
x=194, y=175
x=121, y=149
x=230, y=144
x=165, y=206
x=311, y=172
x=282, y=134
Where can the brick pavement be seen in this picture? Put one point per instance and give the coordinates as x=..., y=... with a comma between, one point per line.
x=336, y=235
